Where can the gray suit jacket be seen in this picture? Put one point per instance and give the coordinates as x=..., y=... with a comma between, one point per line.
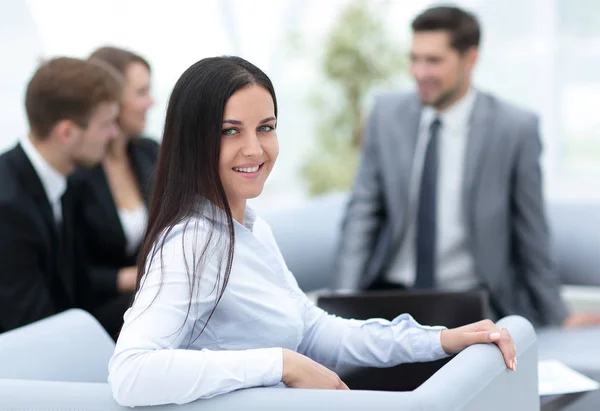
x=501, y=197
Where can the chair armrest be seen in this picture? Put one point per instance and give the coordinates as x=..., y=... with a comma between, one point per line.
x=51, y=396
x=477, y=378
x=70, y=346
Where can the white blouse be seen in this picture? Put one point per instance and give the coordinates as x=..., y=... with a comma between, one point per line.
x=159, y=357
x=134, y=224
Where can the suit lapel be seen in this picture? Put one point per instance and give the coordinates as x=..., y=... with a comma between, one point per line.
x=480, y=137
x=106, y=205
x=403, y=135
x=33, y=185
x=143, y=169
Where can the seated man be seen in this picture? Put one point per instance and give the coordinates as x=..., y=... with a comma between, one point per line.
x=72, y=107
x=449, y=189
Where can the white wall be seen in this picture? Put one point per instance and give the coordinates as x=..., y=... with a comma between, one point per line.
x=522, y=64
x=20, y=48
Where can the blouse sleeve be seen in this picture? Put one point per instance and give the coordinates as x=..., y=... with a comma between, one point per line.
x=335, y=341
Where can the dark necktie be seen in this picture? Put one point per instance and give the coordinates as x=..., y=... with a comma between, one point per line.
x=66, y=253
x=60, y=220
x=426, y=214
x=60, y=230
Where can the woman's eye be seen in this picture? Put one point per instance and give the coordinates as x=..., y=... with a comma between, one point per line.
x=229, y=131
x=266, y=128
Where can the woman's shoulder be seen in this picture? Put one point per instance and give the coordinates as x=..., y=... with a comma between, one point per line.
x=261, y=227
x=188, y=236
x=262, y=230
x=184, y=231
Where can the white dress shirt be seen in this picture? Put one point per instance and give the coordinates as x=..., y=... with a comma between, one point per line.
x=53, y=181
x=455, y=268
x=159, y=357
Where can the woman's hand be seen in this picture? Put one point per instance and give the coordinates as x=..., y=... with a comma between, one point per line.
x=126, y=280
x=300, y=371
x=457, y=339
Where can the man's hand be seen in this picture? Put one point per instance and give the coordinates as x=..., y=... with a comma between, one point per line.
x=457, y=339
x=581, y=320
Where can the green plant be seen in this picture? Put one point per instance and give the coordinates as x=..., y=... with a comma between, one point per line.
x=358, y=55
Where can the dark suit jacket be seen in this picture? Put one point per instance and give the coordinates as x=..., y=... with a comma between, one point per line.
x=501, y=198
x=105, y=240
x=38, y=276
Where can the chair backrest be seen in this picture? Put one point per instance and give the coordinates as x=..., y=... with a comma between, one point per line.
x=70, y=346
x=575, y=229
x=308, y=238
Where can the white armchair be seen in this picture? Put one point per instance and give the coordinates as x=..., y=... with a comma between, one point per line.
x=56, y=364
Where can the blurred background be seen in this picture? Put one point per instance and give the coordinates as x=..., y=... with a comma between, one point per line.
x=327, y=60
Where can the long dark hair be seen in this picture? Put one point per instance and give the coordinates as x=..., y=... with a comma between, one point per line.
x=187, y=175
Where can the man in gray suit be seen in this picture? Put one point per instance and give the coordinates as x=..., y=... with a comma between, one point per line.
x=449, y=189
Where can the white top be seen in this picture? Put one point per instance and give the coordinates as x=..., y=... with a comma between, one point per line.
x=55, y=184
x=455, y=269
x=134, y=224
x=262, y=311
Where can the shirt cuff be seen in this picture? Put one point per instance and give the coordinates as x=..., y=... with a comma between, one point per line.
x=427, y=344
x=437, y=350
x=264, y=367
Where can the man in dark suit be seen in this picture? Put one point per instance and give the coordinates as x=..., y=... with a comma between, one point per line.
x=449, y=189
x=71, y=106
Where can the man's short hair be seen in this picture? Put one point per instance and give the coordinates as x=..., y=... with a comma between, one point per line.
x=462, y=26
x=66, y=88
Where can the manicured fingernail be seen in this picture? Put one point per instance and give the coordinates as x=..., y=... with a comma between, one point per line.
x=494, y=335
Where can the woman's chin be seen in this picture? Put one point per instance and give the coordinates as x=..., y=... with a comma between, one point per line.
x=250, y=194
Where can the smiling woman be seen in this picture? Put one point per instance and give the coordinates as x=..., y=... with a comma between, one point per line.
x=216, y=308
x=249, y=146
